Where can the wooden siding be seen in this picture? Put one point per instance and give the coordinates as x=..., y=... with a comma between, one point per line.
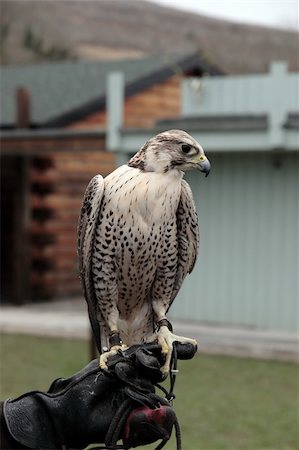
x=247, y=271
x=157, y=102
x=32, y=143
x=143, y=109
x=58, y=182
x=95, y=120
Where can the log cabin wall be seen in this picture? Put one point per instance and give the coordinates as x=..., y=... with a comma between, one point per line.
x=58, y=182
x=158, y=102
x=41, y=193
x=15, y=262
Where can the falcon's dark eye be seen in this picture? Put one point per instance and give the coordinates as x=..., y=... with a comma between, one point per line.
x=186, y=148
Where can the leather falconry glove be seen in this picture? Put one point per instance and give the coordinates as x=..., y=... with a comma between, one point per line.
x=95, y=406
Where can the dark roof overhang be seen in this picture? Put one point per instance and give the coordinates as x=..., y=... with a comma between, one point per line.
x=182, y=66
x=215, y=124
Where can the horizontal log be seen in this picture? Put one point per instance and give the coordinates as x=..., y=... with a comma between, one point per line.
x=69, y=265
x=67, y=221
x=37, y=278
x=83, y=154
x=140, y=123
x=154, y=111
x=152, y=101
x=67, y=214
x=35, y=144
x=42, y=163
x=67, y=277
x=36, y=175
x=97, y=119
x=70, y=188
x=83, y=172
x=42, y=265
x=40, y=293
x=42, y=213
x=56, y=227
x=70, y=289
x=42, y=240
x=82, y=177
x=64, y=180
x=66, y=239
x=172, y=96
x=43, y=187
x=55, y=201
x=54, y=252
x=83, y=157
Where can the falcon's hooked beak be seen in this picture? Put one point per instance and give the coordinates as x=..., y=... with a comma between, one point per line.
x=202, y=163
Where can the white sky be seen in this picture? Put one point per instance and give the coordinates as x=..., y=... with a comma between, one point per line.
x=275, y=13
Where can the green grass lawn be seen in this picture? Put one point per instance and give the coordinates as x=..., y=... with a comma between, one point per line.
x=221, y=402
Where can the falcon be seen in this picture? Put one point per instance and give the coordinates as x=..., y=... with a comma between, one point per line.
x=137, y=241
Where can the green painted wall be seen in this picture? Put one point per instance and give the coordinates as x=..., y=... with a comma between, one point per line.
x=247, y=270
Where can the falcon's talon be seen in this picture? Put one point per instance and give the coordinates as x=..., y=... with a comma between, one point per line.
x=106, y=355
x=121, y=351
x=164, y=347
x=166, y=339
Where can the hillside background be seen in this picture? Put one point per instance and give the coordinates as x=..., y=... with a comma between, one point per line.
x=43, y=30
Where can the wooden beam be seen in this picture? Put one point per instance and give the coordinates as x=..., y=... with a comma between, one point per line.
x=21, y=253
x=23, y=108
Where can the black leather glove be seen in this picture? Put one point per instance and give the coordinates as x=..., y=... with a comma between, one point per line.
x=80, y=410
x=74, y=412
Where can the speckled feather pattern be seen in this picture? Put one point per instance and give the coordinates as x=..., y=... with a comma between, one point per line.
x=137, y=240
x=138, y=223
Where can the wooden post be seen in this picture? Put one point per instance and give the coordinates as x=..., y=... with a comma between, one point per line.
x=21, y=251
x=23, y=108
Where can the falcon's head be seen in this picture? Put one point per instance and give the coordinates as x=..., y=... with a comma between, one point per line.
x=171, y=150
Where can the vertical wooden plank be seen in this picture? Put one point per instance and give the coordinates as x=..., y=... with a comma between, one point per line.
x=21, y=253
x=23, y=108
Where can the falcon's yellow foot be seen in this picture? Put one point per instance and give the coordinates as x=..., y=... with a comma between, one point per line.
x=106, y=355
x=166, y=339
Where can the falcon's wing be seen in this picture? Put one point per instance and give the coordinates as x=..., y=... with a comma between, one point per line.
x=187, y=237
x=86, y=230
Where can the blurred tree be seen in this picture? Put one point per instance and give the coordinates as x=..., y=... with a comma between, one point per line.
x=33, y=42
